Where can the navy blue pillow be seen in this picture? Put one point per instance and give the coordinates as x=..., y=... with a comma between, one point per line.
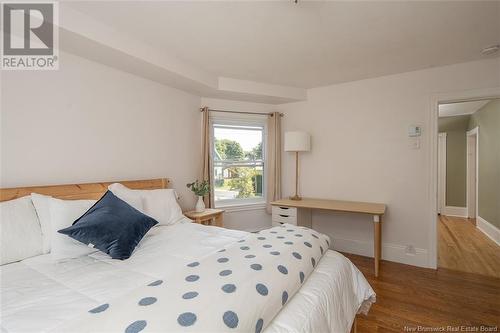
x=112, y=226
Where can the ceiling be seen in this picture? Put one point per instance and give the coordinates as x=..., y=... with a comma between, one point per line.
x=460, y=109
x=308, y=44
x=458, y=123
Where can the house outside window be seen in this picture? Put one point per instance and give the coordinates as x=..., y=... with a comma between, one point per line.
x=238, y=161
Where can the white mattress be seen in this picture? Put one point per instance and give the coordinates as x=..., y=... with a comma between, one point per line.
x=39, y=294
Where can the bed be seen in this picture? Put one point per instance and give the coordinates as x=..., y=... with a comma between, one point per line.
x=39, y=294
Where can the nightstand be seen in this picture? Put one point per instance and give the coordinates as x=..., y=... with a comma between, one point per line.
x=209, y=216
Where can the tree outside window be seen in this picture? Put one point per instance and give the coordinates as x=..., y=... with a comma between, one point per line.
x=238, y=163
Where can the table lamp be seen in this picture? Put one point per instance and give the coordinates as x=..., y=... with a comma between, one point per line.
x=295, y=142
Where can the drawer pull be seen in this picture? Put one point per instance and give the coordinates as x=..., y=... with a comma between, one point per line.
x=284, y=207
x=284, y=215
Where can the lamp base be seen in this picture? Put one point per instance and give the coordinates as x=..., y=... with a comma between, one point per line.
x=296, y=197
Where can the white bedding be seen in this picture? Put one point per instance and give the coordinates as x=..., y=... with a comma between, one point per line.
x=38, y=294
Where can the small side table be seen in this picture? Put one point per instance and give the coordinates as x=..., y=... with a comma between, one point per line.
x=209, y=216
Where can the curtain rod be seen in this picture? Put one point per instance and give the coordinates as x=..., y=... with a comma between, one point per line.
x=243, y=112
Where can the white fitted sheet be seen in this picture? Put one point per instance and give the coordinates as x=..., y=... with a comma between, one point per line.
x=39, y=294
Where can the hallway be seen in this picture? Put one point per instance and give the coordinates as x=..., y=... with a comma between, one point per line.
x=463, y=247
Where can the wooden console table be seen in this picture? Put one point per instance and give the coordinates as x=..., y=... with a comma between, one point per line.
x=283, y=214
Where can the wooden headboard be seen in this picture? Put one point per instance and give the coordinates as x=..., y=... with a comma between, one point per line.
x=80, y=191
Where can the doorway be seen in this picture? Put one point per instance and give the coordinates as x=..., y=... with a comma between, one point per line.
x=472, y=173
x=466, y=181
x=441, y=172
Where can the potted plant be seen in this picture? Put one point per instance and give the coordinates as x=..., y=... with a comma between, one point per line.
x=200, y=189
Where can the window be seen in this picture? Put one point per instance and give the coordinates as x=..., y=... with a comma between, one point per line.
x=238, y=161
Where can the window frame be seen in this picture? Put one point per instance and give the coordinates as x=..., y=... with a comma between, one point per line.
x=237, y=120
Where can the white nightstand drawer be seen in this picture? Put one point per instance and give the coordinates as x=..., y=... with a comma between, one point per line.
x=282, y=218
x=282, y=210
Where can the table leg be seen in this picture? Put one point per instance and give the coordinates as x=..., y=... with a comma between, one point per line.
x=219, y=220
x=377, y=224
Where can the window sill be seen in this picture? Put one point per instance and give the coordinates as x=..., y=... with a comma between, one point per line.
x=242, y=207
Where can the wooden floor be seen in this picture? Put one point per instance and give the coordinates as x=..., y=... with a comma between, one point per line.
x=410, y=297
x=463, y=247
x=463, y=291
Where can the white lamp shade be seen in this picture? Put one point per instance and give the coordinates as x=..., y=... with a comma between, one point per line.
x=297, y=141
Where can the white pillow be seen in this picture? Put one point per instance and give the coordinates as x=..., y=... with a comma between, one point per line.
x=160, y=204
x=127, y=195
x=41, y=203
x=62, y=214
x=21, y=235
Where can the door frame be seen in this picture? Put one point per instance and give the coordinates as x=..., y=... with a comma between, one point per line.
x=435, y=100
x=442, y=140
x=473, y=133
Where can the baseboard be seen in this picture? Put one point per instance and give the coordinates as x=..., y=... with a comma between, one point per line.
x=488, y=229
x=390, y=252
x=455, y=211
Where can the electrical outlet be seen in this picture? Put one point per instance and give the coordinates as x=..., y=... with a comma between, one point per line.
x=410, y=250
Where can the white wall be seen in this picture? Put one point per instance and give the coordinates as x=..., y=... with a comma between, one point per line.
x=247, y=219
x=225, y=104
x=88, y=122
x=361, y=151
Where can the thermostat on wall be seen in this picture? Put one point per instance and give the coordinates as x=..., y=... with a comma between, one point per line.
x=414, y=130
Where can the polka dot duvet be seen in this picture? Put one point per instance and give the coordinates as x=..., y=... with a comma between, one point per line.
x=241, y=287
